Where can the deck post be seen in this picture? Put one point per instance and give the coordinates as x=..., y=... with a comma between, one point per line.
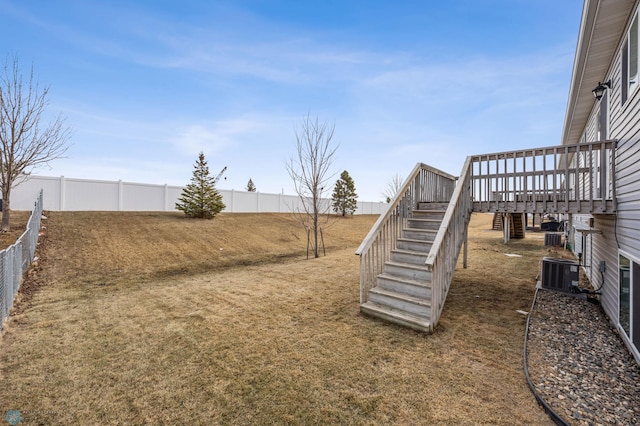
x=570, y=234
x=465, y=246
x=506, y=227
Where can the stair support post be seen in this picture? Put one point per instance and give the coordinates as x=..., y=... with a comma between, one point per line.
x=465, y=246
x=569, y=233
x=464, y=255
x=506, y=227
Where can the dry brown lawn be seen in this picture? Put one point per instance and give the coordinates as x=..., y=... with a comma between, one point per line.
x=151, y=318
x=19, y=221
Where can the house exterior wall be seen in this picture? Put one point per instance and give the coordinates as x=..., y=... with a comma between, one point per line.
x=622, y=231
x=625, y=127
x=604, y=249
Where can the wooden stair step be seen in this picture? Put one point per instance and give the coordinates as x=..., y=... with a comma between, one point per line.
x=421, y=253
x=404, y=285
x=409, y=256
x=419, y=234
x=420, y=301
x=416, y=322
x=403, y=280
x=407, y=270
x=414, y=240
x=401, y=301
x=406, y=265
x=429, y=212
x=421, y=230
x=423, y=246
x=433, y=205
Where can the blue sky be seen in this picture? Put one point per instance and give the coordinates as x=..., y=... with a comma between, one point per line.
x=146, y=85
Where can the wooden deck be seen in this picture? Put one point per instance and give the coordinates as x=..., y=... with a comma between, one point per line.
x=558, y=179
x=408, y=258
x=572, y=207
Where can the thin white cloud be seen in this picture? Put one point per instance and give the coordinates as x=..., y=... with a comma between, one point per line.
x=128, y=169
x=215, y=137
x=266, y=53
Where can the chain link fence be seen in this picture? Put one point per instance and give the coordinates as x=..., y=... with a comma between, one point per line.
x=15, y=260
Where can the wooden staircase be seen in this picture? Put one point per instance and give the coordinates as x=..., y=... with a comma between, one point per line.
x=409, y=257
x=497, y=222
x=517, y=225
x=402, y=294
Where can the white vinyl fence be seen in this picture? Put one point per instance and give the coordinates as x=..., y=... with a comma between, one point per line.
x=67, y=194
x=15, y=260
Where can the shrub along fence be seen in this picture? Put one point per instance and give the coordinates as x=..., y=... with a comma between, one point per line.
x=15, y=260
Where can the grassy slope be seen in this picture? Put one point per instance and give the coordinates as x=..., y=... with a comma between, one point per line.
x=19, y=221
x=143, y=320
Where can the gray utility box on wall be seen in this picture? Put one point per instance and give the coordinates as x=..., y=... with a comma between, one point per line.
x=560, y=274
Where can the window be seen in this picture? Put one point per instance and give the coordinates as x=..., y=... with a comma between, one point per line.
x=633, y=55
x=629, y=298
x=629, y=61
x=625, y=294
x=624, y=68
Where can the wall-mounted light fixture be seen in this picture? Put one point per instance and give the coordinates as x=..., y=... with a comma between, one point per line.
x=600, y=88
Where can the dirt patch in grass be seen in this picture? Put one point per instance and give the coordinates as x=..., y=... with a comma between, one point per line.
x=144, y=320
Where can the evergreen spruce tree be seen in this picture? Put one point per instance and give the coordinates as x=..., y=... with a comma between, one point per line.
x=250, y=186
x=344, y=197
x=201, y=199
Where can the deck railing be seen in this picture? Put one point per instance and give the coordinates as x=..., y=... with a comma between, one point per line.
x=443, y=256
x=559, y=179
x=425, y=183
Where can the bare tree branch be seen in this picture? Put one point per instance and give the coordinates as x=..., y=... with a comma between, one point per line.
x=26, y=142
x=309, y=170
x=392, y=188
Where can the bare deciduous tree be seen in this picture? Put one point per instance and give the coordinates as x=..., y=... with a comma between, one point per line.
x=309, y=169
x=26, y=141
x=392, y=188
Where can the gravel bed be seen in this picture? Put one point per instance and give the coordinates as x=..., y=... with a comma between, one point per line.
x=579, y=364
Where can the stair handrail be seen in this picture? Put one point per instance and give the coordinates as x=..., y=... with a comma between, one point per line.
x=444, y=252
x=424, y=183
x=384, y=216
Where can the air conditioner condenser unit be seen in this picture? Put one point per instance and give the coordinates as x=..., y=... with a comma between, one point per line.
x=560, y=274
